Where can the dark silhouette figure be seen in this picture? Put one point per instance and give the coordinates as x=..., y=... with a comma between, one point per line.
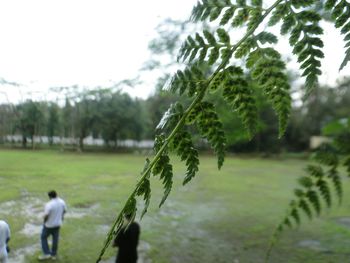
x=127, y=241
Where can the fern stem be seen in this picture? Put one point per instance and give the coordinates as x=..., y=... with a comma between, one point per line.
x=271, y=245
x=181, y=122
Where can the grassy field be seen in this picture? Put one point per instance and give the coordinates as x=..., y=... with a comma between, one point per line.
x=225, y=216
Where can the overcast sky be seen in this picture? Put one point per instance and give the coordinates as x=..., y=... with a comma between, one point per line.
x=50, y=43
x=87, y=42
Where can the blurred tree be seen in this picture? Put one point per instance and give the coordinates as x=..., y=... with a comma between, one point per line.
x=53, y=121
x=85, y=110
x=7, y=121
x=30, y=118
x=120, y=118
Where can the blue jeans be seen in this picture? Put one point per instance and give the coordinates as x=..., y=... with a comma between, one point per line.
x=46, y=232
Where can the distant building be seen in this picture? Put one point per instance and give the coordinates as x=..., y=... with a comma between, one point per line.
x=143, y=144
x=316, y=141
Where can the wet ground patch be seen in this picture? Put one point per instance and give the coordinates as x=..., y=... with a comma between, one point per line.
x=344, y=221
x=19, y=255
x=81, y=210
x=311, y=244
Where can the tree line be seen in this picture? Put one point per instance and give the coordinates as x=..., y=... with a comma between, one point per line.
x=114, y=115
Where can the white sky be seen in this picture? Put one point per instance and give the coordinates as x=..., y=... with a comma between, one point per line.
x=50, y=43
x=87, y=42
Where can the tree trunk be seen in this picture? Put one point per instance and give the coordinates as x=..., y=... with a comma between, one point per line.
x=33, y=144
x=24, y=141
x=81, y=144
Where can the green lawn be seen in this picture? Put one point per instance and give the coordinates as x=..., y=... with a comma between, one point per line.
x=221, y=216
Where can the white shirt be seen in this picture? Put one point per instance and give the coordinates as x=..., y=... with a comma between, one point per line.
x=4, y=235
x=54, y=211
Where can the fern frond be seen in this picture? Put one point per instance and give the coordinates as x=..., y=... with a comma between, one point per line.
x=130, y=207
x=245, y=48
x=302, y=3
x=228, y=15
x=184, y=147
x=239, y=13
x=314, y=200
x=287, y=222
x=200, y=46
x=163, y=168
x=327, y=155
x=305, y=181
x=336, y=180
x=241, y=17
x=304, y=30
x=167, y=177
x=211, y=128
x=266, y=37
x=280, y=12
x=239, y=95
x=188, y=80
x=224, y=37
x=295, y=215
x=169, y=120
x=257, y=3
x=254, y=17
x=214, y=55
x=315, y=171
x=217, y=81
x=347, y=165
x=325, y=191
x=209, y=9
x=267, y=69
x=340, y=13
x=143, y=188
x=305, y=207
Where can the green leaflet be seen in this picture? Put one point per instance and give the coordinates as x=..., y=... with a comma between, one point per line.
x=239, y=12
x=228, y=15
x=130, y=207
x=314, y=200
x=324, y=191
x=327, y=155
x=163, y=168
x=206, y=44
x=189, y=80
x=304, y=30
x=347, y=165
x=305, y=207
x=210, y=128
x=239, y=95
x=337, y=184
x=315, y=171
x=317, y=185
x=267, y=69
x=340, y=13
x=217, y=81
x=208, y=9
x=184, y=147
x=223, y=36
x=144, y=188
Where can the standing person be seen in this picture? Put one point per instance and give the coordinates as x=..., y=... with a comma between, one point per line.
x=127, y=241
x=53, y=219
x=4, y=239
